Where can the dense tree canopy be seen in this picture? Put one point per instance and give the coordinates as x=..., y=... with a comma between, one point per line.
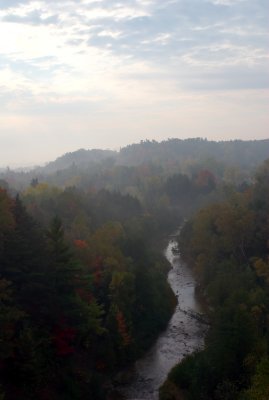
x=227, y=245
x=83, y=288
x=80, y=296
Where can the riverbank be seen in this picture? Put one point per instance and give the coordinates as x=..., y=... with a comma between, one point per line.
x=183, y=335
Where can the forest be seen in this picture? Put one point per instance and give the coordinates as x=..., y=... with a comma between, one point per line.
x=227, y=246
x=83, y=289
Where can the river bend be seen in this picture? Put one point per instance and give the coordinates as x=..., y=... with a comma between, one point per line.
x=183, y=335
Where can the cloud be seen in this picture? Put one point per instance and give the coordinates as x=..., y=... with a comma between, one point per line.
x=110, y=34
x=34, y=17
x=225, y=55
x=227, y=2
x=82, y=36
x=82, y=57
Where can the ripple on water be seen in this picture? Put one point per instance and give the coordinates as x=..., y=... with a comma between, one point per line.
x=183, y=335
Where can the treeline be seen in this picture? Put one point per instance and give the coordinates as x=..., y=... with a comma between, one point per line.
x=81, y=294
x=233, y=152
x=172, y=151
x=134, y=165
x=82, y=280
x=127, y=194
x=227, y=246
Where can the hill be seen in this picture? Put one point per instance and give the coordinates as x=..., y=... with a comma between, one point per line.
x=232, y=161
x=236, y=152
x=79, y=157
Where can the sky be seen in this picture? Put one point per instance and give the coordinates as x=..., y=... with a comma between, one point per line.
x=104, y=73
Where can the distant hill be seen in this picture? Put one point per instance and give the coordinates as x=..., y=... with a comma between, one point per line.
x=80, y=158
x=247, y=153
x=233, y=160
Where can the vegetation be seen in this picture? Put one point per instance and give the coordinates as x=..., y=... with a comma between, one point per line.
x=83, y=288
x=74, y=309
x=137, y=168
x=227, y=245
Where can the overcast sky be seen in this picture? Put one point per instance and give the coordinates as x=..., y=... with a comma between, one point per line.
x=105, y=73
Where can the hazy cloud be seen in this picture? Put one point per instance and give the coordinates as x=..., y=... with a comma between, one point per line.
x=86, y=56
x=34, y=17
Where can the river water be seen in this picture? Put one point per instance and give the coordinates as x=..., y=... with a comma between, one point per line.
x=183, y=335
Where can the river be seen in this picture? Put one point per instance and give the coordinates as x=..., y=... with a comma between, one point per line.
x=183, y=335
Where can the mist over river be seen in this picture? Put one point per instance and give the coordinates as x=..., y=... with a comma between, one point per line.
x=183, y=335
